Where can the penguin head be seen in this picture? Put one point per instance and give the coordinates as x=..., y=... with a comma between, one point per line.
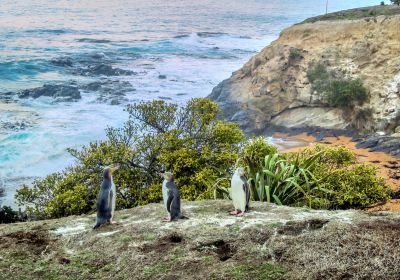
x=240, y=171
x=109, y=170
x=167, y=176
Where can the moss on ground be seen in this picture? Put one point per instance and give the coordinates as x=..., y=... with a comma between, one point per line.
x=269, y=243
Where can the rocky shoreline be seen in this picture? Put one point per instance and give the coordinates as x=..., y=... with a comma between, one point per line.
x=273, y=92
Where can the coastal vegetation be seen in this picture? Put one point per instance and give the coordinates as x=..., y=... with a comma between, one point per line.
x=338, y=91
x=190, y=141
x=201, y=151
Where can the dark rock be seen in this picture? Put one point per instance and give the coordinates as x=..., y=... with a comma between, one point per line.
x=105, y=70
x=59, y=92
x=62, y=62
x=162, y=77
x=386, y=144
x=95, y=41
x=112, y=91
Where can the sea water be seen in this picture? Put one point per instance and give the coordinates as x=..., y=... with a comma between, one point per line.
x=178, y=49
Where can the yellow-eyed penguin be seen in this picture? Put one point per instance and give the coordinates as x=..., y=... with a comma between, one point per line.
x=172, y=201
x=240, y=192
x=106, y=199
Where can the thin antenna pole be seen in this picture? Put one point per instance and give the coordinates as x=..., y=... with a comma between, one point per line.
x=326, y=9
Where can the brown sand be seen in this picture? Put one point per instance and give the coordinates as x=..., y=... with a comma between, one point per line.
x=388, y=166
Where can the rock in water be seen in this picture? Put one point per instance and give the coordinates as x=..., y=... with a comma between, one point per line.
x=105, y=70
x=59, y=92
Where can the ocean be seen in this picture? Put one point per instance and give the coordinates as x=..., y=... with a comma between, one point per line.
x=118, y=52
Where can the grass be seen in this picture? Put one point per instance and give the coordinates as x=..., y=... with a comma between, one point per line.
x=263, y=271
x=358, y=13
x=281, y=246
x=156, y=270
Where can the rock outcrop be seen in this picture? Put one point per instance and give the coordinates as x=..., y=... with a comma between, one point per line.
x=273, y=89
x=58, y=92
x=270, y=242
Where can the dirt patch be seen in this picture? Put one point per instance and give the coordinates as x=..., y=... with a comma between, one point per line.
x=296, y=228
x=164, y=243
x=257, y=236
x=224, y=250
x=36, y=240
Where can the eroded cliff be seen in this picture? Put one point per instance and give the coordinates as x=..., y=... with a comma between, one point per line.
x=273, y=88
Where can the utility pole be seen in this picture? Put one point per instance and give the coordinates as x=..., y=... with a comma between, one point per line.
x=326, y=9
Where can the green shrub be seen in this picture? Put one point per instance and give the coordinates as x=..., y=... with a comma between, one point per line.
x=346, y=93
x=345, y=184
x=8, y=215
x=321, y=176
x=395, y=2
x=332, y=156
x=318, y=72
x=284, y=182
x=356, y=187
x=189, y=140
x=339, y=91
x=294, y=54
x=254, y=152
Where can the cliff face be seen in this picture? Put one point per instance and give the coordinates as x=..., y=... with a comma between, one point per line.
x=273, y=87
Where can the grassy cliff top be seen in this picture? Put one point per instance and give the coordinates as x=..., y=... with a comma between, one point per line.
x=357, y=13
x=271, y=242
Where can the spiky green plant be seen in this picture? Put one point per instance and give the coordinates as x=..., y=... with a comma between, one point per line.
x=286, y=182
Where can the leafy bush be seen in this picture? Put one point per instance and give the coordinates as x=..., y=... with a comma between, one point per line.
x=188, y=140
x=294, y=54
x=346, y=93
x=8, y=215
x=345, y=184
x=339, y=91
x=395, y=2
x=254, y=152
x=319, y=177
x=356, y=187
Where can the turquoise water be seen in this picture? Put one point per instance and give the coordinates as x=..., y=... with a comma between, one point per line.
x=178, y=50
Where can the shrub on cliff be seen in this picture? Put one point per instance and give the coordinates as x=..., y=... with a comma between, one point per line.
x=189, y=140
x=339, y=91
x=395, y=2
x=346, y=93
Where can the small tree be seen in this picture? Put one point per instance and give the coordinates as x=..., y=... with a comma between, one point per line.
x=395, y=2
x=189, y=140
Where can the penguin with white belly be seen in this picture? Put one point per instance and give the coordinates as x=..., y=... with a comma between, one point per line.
x=171, y=197
x=106, y=199
x=240, y=193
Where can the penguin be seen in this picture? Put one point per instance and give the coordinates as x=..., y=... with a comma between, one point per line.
x=240, y=193
x=106, y=199
x=171, y=198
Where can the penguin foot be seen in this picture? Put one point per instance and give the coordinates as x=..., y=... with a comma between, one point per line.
x=168, y=219
x=96, y=226
x=240, y=214
x=234, y=212
x=114, y=223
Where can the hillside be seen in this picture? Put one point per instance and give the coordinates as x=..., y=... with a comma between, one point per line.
x=273, y=89
x=271, y=242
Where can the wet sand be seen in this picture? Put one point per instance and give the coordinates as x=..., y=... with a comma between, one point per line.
x=388, y=166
